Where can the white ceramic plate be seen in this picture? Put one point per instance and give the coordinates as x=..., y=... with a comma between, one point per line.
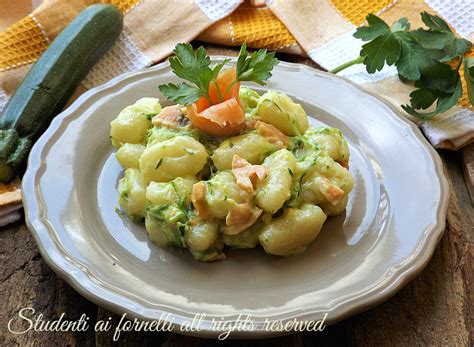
x=395, y=216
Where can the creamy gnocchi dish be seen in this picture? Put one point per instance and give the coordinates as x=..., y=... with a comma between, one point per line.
x=244, y=171
x=273, y=184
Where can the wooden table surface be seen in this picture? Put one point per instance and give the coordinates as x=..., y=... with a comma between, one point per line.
x=435, y=309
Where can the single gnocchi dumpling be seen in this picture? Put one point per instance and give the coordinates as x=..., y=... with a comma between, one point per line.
x=174, y=192
x=181, y=156
x=275, y=189
x=178, y=191
x=201, y=235
x=133, y=122
x=155, y=231
x=131, y=189
x=148, y=106
x=129, y=154
x=326, y=181
x=329, y=141
x=250, y=146
x=279, y=110
x=293, y=231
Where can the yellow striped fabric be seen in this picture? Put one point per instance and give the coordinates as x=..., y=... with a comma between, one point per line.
x=21, y=44
x=356, y=11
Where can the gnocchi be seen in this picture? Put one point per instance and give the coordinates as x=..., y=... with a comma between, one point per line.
x=276, y=188
x=131, y=189
x=294, y=231
x=181, y=156
x=133, y=122
x=166, y=211
x=222, y=194
x=246, y=239
x=129, y=154
x=273, y=184
x=326, y=181
x=279, y=110
x=329, y=141
x=169, y=193
x=201, y=235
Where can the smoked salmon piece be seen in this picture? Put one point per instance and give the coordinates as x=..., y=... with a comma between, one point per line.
x=171, y=117
x=247, y=175
x=198, y=198
x=273, y=134
x=239, y=218
x=224, y=119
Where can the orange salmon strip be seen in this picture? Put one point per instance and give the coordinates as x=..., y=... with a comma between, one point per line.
x=224, y=119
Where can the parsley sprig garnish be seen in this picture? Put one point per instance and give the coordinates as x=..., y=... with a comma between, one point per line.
x=256, y=67
x=195, y=66
x=421, y=56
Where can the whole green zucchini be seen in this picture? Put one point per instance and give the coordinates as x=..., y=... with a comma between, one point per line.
x=52, y=80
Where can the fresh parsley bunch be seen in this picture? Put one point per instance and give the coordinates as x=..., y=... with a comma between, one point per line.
x=194, y=66
x=421, y=56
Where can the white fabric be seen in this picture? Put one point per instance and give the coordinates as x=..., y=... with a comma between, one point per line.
x=458, y=13
x=217, y=9
x=124, y=56
x=343, y=49
x=450, y=129
x=3, y=99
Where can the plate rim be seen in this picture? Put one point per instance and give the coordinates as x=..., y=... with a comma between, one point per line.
x=402, y=273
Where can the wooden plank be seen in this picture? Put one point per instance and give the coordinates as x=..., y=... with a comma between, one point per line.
x=468, y=169
x=26, y=281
